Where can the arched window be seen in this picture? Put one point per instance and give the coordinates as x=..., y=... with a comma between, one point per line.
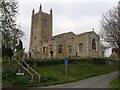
x=60, y=49
x=69, y=50
x=44, y=50
x=81, y=47
x=51, y=47
x=29, y=55
x=93, y=44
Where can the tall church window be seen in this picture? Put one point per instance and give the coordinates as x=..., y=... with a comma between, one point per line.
x=30, y=55
x=51, y=51
x=81, y=47
x=51, y=48
x=69, y=50
x=60, y=49
x=44, y=50
x=93, y=44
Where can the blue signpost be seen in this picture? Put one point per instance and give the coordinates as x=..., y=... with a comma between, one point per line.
x=66, y=63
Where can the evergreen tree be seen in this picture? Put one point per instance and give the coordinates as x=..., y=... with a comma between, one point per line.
x=19, y=49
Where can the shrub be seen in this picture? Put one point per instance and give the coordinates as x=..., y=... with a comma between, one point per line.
x=5, y=58
x=8, y=75
x=43, y=62
x=5, y=61
x=20, y=81
x=99, y=61
x=46, y=62
x=95, y=60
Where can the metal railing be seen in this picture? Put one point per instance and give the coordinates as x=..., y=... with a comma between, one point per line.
x=31, y=69
x=25, y=69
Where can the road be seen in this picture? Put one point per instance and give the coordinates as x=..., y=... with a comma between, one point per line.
x=102, y=81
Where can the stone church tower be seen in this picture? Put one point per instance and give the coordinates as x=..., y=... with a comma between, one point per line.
x=41, y=28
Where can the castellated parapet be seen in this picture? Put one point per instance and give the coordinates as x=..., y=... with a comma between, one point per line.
x=41, y=27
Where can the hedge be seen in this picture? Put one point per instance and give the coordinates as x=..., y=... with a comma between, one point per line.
x=46, y=62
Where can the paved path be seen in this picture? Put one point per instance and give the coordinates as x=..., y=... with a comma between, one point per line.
x=101, y=81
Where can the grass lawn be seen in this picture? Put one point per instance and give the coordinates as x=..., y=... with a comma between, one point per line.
x=78, y=70
x=116, y=83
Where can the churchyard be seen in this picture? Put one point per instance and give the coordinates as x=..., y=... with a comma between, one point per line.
x=53, y=71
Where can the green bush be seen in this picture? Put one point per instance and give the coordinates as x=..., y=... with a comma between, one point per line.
x=43, y=62
x=20, y=81
x=98, y=61
x=5, y=61
x=8, y=75
x=47, y=62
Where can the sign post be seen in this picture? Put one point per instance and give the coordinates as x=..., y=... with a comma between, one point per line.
x=66, y=63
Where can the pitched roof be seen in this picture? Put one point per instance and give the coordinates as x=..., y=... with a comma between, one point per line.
x=87, y=33
x=68, y=33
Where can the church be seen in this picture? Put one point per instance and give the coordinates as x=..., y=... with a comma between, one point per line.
x=44, y=45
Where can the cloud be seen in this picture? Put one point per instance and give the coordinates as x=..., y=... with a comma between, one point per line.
x=79, y=25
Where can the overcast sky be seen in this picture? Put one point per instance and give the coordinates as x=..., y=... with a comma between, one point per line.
x=69, y=15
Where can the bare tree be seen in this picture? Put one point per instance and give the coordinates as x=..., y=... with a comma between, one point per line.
x=11, y=32
x=110, y=27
